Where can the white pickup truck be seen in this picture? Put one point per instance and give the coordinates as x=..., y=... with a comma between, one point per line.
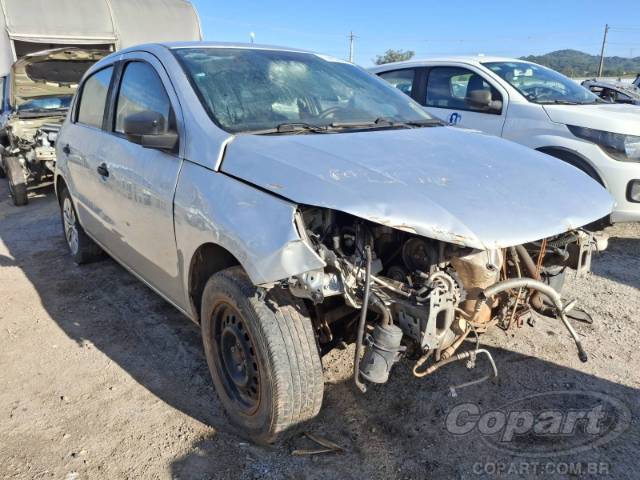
x=534, y=106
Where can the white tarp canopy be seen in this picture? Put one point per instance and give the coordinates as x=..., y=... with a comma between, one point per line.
x=121, y=23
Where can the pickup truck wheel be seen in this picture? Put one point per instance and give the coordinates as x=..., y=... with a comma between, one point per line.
x=82, y=248
x=17, y=182
x=262, y=356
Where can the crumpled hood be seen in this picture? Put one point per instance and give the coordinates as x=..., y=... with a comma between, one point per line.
x=610, y=117
x=51, y=72
x=445, y=183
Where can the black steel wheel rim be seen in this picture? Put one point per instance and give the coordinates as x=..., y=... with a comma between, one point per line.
x=237, y=361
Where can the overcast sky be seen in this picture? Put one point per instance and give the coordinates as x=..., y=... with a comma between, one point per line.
x=428, y=27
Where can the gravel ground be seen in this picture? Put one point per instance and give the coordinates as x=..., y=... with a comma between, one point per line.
x=101, y=378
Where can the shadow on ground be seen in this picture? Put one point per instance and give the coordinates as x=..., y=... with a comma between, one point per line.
x=393, y=431
x=621, y=252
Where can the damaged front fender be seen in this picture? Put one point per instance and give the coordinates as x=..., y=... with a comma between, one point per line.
x=257, y=228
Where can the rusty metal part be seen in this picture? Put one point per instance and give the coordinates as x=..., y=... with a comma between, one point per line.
x=478, y=271
x=421, y=361
x=543, y=250
x=528, y=261
x=449, y=351
x=536, y=300
x=470, y=354
x=548, y=292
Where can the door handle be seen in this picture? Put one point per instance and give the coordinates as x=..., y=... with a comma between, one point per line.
x=66, y=150
x=103, y=171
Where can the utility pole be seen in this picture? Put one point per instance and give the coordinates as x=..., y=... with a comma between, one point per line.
x=604, y=42
x=352, y=37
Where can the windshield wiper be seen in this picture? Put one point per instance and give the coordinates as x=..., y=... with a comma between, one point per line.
x=559, y=102
x=298, y=127
x=432, y=122
x=382, y=122
x=43, y=110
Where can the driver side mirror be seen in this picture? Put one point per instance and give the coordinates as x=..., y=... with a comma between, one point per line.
x=481, y=100
x=148, y=130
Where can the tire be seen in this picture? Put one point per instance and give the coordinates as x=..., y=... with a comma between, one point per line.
x=82, y=248
x=17, y=181
x=262, y=355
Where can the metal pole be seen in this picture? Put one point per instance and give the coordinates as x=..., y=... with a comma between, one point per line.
x=604, y=42
x=351, y=38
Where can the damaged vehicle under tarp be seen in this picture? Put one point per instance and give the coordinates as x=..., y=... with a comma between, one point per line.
x=41, y=86
x=291, y=203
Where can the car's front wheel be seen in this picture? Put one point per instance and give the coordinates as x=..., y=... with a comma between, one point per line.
x=81, y=247
x=262, y=356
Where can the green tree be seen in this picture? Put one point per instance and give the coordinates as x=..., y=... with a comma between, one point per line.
x=391, y=56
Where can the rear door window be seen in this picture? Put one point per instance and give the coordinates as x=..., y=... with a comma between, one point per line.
x=141, y=90
x=403, y=80
x=93, y=98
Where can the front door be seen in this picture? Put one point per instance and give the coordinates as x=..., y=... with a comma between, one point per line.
x=142, y=180
x=448, y=96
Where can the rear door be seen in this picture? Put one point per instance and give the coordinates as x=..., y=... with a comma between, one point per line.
x=407, y=80
x=141, y=181
x=82, y=143
x=446, y=94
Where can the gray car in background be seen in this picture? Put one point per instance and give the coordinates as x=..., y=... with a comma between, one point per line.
x=614, y=92
x=290, y=202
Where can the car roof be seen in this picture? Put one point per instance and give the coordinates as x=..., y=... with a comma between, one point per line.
x=159, y=47
x=469, y=59
x=198, y=44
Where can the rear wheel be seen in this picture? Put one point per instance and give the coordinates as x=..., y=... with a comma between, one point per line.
x=17, y=181
x=262, y=356
x=81, y=247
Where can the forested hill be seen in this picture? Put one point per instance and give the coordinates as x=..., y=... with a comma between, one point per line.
x=574, y=63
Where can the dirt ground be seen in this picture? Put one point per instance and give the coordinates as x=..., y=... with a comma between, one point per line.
x=100, y=378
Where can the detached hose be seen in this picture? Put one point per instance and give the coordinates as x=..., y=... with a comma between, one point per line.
x=545, y=290
x=363, y=318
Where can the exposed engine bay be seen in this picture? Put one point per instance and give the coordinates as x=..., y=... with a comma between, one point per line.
x=398, y=294
x=41, y=86
x=32, y=141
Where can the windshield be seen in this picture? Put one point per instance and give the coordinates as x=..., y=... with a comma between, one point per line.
x=43, y=104
x=631, y=91
x=542, y=85
x=248, y=90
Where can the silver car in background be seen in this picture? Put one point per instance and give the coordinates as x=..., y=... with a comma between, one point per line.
x=289, y=202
